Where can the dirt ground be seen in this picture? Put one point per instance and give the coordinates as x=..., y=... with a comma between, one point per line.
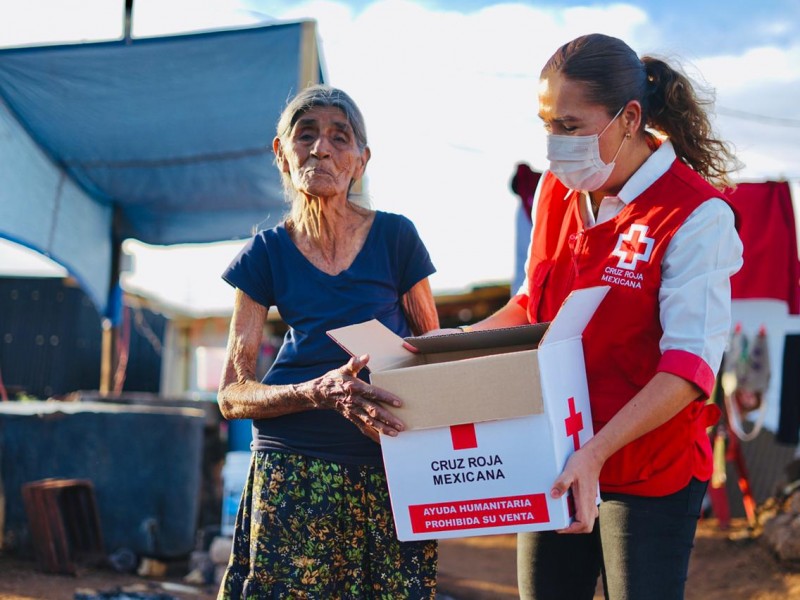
x=481, y=568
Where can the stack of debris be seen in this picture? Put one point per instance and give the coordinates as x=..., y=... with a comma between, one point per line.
x=207, y=564
x=122, y=593
x=781, y=524
x=220, y=553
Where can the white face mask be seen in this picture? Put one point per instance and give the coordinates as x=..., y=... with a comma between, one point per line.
x=575, y=159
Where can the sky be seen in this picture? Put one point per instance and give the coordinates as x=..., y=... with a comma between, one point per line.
x=448, y=91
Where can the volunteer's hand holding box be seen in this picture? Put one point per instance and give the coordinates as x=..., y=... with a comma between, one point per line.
x=491, y=418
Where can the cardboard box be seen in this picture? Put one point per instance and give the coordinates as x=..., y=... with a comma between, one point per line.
x=491, y=418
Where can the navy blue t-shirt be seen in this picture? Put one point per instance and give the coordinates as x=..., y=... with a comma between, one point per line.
x=273, y=272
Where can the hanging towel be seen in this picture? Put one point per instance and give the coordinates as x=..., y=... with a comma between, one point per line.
x=767, y=228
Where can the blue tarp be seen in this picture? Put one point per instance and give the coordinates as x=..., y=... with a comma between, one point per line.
x=165, y=140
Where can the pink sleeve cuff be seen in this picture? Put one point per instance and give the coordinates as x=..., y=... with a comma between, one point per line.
x=690, y=367
x=520, y=300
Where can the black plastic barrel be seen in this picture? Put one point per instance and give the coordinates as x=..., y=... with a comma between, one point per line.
x=144, y=463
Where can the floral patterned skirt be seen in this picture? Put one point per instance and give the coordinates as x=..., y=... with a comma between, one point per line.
x=313, y=529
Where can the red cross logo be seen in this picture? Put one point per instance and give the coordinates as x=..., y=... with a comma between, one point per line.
x=633, y=246
x=463, y=436
x=574, y=424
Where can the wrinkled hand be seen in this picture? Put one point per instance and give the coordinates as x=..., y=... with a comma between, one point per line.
x=359, y=402
x=581, y=473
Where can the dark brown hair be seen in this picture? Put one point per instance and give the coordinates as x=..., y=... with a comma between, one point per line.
x=614, y=75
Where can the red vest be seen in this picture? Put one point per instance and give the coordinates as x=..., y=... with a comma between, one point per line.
x=621, y=342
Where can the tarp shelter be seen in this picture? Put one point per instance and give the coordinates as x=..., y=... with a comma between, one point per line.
x=165, y=140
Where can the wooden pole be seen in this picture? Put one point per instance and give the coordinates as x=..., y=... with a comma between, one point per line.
x=128, y=23
x=110, y=323
x=309, y=56
x=108, y=353
x=106, y=358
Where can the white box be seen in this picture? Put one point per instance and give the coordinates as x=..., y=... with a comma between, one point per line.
x=491, y=418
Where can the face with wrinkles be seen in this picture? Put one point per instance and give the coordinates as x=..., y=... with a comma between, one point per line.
x=321, y=154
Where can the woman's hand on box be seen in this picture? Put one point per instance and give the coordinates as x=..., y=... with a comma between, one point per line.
x=362, y=404
x=580, y=476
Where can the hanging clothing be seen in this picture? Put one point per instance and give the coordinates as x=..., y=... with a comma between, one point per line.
x=523, y=184
x=789, y=422
x=771, y=266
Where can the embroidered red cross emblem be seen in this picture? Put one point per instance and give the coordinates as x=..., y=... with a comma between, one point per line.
x=574, y=424
x=633, y=246
x=463, y=436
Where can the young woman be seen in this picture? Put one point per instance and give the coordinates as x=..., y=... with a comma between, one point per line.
x=629, y=202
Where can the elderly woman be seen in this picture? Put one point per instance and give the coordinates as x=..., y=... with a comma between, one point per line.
x=315, y=519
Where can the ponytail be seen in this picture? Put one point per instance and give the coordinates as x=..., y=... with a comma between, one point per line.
x=672, y=107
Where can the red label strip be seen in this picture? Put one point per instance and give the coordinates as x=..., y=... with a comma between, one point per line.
x=479, y=513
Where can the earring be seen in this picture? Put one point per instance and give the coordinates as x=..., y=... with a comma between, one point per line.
x=628, y=135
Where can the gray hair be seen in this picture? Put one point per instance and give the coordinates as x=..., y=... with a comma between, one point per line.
x=322, y=95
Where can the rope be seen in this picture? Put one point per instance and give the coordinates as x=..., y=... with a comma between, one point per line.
x=3, y=393
x=735, y=419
